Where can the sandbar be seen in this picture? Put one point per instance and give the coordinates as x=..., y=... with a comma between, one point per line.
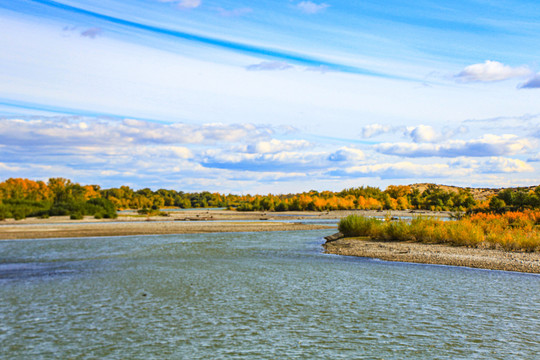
x=124, y=228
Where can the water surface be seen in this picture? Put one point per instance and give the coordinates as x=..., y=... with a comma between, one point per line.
x=253, y=295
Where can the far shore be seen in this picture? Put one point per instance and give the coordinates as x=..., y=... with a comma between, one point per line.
x=181, y=222
x=211, y=214
x=491, y=259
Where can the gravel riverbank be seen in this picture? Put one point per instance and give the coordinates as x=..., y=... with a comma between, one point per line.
x=437, y=254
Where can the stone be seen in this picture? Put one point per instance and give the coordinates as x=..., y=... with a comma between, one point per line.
x=334, y=237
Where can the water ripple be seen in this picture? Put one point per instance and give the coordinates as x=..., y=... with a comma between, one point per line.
x=253, y=295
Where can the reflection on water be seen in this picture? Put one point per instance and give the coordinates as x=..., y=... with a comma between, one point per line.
x=253, y=295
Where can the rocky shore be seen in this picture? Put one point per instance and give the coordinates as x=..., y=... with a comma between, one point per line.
x=437, y=254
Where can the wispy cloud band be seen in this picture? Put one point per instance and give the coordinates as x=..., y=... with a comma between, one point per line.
x=225, y=44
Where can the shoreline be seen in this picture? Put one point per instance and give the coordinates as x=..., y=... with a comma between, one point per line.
x=216, y=215
x=104, y=229
x=188, y=221
x=438, y=254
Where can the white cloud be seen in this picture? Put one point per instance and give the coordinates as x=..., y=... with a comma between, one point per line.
x=495, y=164
x=400, y=170
x=419, y=133
x=347, y=154
x=265, y=162
x=372, y=130
x=490, y=71
x=464, y=162
x=532, y=83
x=269, y=66
x=109, y=172
x=534, y=158
x=309, y=7
x=5, y=167
x=487, y=145
x=64, y=131
x=505, y=165
x=423, y=133
x=274, y=146
x=177, y=151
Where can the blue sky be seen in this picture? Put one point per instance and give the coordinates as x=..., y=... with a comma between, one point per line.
x=270, y=96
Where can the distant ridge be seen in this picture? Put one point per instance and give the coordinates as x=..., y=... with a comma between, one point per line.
x=479, y=194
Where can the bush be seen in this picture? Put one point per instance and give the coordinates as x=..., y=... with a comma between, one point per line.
x=354, y=225
x=245, y=207
x=113, y=215
x=144, y=211
x=18, y=214
x=4, y=212
x=282, y=207
x=76, y=216
x=510, y=231
x=396, y=230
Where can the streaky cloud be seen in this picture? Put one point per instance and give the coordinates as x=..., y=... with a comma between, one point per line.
x=309, y=7
x=269, y=66
x=224, y=44
x=234, y=12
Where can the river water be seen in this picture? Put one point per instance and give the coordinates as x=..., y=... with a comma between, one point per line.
x=252, y=296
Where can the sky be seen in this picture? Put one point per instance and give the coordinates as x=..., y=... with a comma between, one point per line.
x=270, y=96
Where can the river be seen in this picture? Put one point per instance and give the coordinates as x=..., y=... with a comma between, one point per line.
x=252, y=296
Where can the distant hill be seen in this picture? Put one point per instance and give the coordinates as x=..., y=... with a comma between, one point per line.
x=479, y=194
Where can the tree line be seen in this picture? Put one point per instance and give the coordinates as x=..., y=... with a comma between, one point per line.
x=20, y=198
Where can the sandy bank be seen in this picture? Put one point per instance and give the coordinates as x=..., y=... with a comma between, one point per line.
x=437, y=254
x=38, y=231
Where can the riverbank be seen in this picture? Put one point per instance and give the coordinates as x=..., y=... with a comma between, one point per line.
x=217, y=215
x=123, y=228
x=178, y=221
x=437, y=254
